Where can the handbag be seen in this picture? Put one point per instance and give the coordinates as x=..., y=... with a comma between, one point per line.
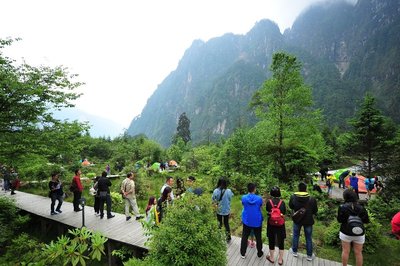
x=298, y=216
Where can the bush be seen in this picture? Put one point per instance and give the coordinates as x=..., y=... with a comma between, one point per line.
x=188, y=235
x=373, y=235
x=331, y=236
x=384, y=209
x=10, y=220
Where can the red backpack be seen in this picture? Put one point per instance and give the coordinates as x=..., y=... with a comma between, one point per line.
x=276, y=218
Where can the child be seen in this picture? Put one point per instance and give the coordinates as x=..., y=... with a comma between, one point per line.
x=251, y=243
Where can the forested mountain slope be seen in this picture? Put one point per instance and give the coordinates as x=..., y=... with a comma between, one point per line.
x=345, y=49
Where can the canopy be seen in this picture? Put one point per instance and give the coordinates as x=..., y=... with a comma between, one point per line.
x=361, y=184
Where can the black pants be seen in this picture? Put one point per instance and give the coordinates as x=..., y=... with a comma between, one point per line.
x=77, y=197
x=276, y=239
x=107, y=200
x=96, y=204
x=55, y=197
x=225, y=220
x=245, y=237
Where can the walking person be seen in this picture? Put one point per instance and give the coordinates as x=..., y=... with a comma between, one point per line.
x=329, y=183
x=96, y=205
x=354, y=183
x=104, y=185
x=351, y=236
x=276, y=231
x=298, y=200
x=222, y=197
x=342, y=177
x=76, y=188
x=252, y=220
x=56, y=194
x=129, y=195
x=369, y=185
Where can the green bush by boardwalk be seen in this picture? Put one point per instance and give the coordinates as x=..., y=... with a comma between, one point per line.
x=288, y=142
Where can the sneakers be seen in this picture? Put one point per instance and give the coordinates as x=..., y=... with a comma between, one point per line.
x=53, y=213
x=243, y=256
x=260, y=254
x=293, y=253
x=128, y=218
x=59, y=211
x=309, y=258
x=96, y=214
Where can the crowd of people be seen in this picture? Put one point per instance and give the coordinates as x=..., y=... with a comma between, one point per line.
x=351, y=215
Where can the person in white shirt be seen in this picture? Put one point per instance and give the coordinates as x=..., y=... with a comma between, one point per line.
x=169, y=182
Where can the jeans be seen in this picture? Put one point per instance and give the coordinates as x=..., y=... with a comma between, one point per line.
x=296, y=236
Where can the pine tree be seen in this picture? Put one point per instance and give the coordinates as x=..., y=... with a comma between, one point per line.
x=183, y=129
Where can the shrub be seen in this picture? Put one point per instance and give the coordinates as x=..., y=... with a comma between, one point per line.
x=331, y=236
x=188, y=235
x=10, y=220
x=373, y=235
x=384, y=209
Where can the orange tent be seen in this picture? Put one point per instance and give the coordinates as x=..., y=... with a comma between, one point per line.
x=361, y=184
x=172, y=163
x=85, y=162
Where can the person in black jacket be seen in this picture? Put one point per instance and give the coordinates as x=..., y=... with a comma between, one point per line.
x=351, y=207
x=298, y=200
x=103, y=188
x=276, y=234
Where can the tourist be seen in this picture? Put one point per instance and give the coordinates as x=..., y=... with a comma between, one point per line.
x=252, y=220
x=329, y=183
x=76, y=188
x=56, y=193
x=276, y=233
x=354, y=183
x=180, y=187
x=163, y=202
x=104, y=185
x=151, y=212
x=298, y=200
x=129, y=195
x=169, y=182
x=346, y=234
x=342, y=177
x=222, y=197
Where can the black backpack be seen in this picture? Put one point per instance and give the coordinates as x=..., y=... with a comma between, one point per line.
x=354, y=223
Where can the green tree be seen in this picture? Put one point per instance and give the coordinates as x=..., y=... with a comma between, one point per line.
x=27, y=97
x=289, y=125
x=183, y=129
x=370, y=133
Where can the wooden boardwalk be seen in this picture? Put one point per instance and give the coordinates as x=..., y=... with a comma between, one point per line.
x=131, y=233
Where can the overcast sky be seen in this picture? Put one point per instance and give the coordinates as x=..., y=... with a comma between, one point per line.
x=122, y=49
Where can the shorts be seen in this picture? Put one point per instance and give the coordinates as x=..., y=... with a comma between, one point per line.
x=349, y=239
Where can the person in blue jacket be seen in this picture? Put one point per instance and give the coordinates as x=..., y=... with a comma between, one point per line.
x=252, y=219
x=222, y=197
x=354, y=183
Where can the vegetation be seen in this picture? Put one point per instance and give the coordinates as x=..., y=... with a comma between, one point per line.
x=282, y=148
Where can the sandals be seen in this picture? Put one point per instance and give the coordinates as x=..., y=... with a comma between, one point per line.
x=280, y=263
x=269, y=259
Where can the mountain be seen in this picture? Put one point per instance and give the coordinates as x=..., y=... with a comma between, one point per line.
x=99, y=126
x=345, y=50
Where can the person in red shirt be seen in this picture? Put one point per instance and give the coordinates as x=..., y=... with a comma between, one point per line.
x=77, y=189
x=396, y=225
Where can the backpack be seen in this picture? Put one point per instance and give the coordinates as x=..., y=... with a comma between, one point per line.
x=276, y=218
x=355, y=224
